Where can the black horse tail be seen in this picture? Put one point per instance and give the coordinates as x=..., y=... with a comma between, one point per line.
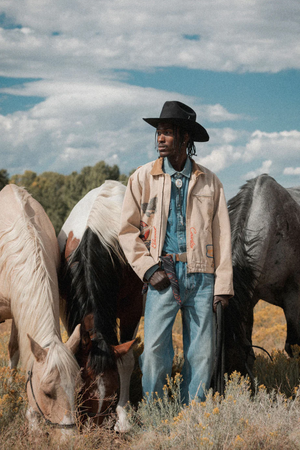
x=245, y=276
x=245, y=269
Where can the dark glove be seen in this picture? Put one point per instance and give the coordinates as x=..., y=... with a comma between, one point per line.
x=224, y=299
x=159, y=280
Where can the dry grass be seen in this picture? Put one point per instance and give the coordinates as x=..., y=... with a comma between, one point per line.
x=266, y=419
x=237, y=421
x=269, y=330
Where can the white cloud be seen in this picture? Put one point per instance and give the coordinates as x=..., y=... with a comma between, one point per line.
x=265, y=168
x=220, y=158
x=217, y=113
x=88, y=114
x=62, y=38
x=282, y=145
x=269, y=152
x=291, y=171
x=80, y=123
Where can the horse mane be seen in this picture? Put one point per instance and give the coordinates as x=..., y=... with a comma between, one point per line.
x=60, y=357
x=93, y=275
x=33, y=291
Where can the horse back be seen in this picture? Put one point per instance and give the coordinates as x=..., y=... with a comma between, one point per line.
x=17, y=204
x=265, y=220
x=273, y=209
x=91, y=256
x=29, y=259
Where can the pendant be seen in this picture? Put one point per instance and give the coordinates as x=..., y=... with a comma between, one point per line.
x=178, y=183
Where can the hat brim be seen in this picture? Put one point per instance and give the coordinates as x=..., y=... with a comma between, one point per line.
x=198, y=132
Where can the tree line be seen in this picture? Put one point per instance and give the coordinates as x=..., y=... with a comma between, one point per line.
x=58, y=193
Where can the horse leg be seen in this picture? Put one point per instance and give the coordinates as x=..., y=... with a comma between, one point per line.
x=291, y=308
x=125, y=369
x=13, y=347
x=128, y=329
x=239, y=355
x=250, y=356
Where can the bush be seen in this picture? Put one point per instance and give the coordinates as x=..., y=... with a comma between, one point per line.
x=281, y=373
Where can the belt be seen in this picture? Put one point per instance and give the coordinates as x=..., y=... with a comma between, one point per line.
x=182, y=257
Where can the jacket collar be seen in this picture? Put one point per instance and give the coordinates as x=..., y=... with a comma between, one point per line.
x=158, y=170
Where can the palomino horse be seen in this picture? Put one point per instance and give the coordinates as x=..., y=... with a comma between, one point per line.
x=29, y=295
x=99, y=286
x=265, y=228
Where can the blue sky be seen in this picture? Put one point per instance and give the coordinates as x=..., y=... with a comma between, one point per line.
x=76, y=79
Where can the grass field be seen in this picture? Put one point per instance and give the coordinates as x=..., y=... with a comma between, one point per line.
x=263, y=418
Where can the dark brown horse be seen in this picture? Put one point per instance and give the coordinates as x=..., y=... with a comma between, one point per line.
x=99, y=287
x=265, y=227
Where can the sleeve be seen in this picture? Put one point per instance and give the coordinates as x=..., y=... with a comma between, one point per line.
x=222, y=245
x=150, y=272
x=133, y=246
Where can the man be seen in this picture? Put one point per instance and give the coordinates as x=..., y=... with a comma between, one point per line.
x=175, y=233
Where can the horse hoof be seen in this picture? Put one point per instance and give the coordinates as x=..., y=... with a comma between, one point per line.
x=122, y=427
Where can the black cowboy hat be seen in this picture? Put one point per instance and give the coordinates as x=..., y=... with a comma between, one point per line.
x=182, y=115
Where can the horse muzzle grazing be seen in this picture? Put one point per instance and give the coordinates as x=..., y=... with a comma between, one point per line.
x=51, y=393
x=98, y=396
x=97, y=399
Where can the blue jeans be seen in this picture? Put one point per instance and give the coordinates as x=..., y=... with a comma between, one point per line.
x=196, y=291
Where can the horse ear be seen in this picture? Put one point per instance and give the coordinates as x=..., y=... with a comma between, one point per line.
x=39, y=352
x=74, y=340
x=121, y=349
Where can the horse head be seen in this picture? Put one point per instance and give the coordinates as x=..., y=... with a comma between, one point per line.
x=52, y=383
x=99, y=390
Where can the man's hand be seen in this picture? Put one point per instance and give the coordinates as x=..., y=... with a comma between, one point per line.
x=224, y=299
x=160, y=280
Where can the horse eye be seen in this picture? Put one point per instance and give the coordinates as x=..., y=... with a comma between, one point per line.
x=50, y=394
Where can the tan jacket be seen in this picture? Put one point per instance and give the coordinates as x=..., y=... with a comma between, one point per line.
x=144, y=222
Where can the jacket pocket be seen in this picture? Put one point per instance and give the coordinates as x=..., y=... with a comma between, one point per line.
x=205, y=208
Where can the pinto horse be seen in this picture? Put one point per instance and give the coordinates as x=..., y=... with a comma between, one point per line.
x=265, y=228
x=29, y=258
x=99, y=286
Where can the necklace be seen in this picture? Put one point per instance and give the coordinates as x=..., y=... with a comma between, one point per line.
x=178, y=183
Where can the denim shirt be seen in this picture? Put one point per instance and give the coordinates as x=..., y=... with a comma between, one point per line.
x=175, y=239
